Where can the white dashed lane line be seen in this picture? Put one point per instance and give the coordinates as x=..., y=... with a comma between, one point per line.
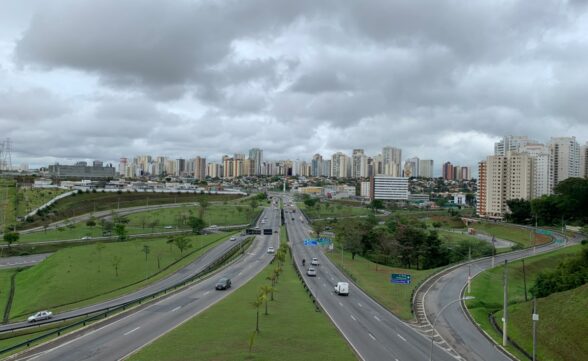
x=177, y=308
x=353, y=318
x=372, y=336
x=377, y=319
x=131, y=331
x=402, y=338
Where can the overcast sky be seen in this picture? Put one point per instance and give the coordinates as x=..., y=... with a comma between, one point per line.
x=443, y=80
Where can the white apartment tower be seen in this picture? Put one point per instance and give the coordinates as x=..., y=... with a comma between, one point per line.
x=392, y=157
x=426, y=168
x=359, y=164
x=541, y=177
x=316, y=165
x=565, y=159
x=340, y=165
x=411, y=167
x=584, y=161
x=256, y=155
x=511, y=143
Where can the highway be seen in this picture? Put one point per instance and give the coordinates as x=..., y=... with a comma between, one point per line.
x=374, y=332
x=22, y=261
x=122, y=337
x=453, y=325
x=181, y=275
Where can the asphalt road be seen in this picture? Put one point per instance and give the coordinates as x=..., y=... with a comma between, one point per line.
x=374, y=332
x=181, y=275
x=453, y=325
x=127, y=335
x=22, y=261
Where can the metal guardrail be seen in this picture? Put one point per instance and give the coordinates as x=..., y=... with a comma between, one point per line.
x=103, y=313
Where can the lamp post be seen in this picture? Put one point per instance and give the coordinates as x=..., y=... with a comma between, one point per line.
x=437, y=317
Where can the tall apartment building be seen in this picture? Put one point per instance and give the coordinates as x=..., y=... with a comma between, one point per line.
x=214, y=170
x=316, y=165
x=512, y=143
x=411, y=167
x=584, y=161
x=340, y=165
x=389, y=188
x=122, y=165
x=447, y=171
x=199, y=167
x=426, y=168
x=542, y=183
x=391, y=161
x=565, y=159
x=359, y=164
x=256, y=155
x=481, y=195
x=507, y=177
x=327, y=168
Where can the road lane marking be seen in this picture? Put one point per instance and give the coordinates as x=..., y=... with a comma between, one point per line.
x=372, y=336
x=131, y=331
x=353, y=318
x=402, y=338
x=359, y=304
x=177, y=308
x=207, y=292
x=340, y=304
x=377, y=319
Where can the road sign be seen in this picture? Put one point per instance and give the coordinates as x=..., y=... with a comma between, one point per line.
x=400, y=278
x=310, y=242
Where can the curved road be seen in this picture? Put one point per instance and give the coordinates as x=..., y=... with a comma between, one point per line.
x=374, y=332
x=127, y=335
x=453, y=325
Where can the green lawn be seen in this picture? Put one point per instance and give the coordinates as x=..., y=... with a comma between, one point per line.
x=77, y=276
x=374, y=279
x=522, y=236
x=562, y=327
x=7, y=197
x=333, y=210
x=488, y=286
x=293, y=330
x=30, y=199
x=4, y=288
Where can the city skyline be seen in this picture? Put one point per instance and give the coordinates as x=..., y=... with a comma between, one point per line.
x=301, y=79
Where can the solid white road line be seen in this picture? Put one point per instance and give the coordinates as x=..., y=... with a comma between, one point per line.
x=131, y=331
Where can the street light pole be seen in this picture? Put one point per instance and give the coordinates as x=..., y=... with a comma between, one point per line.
x=437, y=317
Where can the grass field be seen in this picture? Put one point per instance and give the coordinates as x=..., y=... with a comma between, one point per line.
x=488, y=286
x=30, y=199
x=333, y=210
x=293, y=330
x=4, y=288
x=82, y=275
x=523, y=237
x=562, y=327
x=7, y=196
x=374, y=279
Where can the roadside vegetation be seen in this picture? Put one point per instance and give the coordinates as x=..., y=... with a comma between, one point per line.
x=317, y=210
x=522, y=285
x=78, y=276
x=291, y=329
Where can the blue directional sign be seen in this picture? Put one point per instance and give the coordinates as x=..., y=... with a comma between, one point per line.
x=315, y=242
x=400, y=278
x=310, y=242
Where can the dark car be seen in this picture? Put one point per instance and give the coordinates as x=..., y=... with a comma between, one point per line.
x=223, y=283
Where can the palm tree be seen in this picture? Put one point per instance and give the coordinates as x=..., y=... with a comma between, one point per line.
x=265, y=291
x=258, y=302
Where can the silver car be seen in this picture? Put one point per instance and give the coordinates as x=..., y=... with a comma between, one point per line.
x=311, y=272
x=40, y=316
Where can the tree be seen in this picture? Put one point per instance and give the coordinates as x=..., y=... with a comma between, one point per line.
x=377, y=204
x=11, y=237
x=182, y=243
x=349, y=235
x=99, y=248
x=91, y=222
x=257, y=303
x=197, y=224
x=121, y=232
x=204, y=204
x=116, y=263
x=520, y=211
x=318, y=228
x=107, y=227
x=146, y=249
x=154, y=223
x=266, y=290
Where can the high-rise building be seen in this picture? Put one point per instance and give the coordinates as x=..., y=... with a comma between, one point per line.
x=392, y=158
x=565, y=159
x=541, y=176
x=426, y=168
x=340, y=165
x=447, y=171
x=507, y=177
x=359, y=164
x=411, y=167
x=481, y=194
x=214, y=170
x=389, y=188
x=122, y=166
x=256, y=155
x=512, y=143
x=327, y=168
x=584, y=161
x=199, y=165
x=316, y=165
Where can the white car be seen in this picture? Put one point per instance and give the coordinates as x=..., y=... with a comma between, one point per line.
x=311, y=272
x=86, y=238
x=271, y=250
x=314, y=261
x=233, y=239
x=168, y=227
x=40, y=316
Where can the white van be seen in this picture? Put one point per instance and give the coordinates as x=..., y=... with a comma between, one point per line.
x=342, y=288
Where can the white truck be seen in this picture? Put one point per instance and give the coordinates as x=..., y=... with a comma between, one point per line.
x=342, y=288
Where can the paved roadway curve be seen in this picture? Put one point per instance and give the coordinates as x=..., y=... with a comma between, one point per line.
x=453, y=325
x=127, y=335
x=181, y=275
x=374, y=332
x=22, y=261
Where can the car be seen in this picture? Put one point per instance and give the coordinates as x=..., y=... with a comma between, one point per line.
x=223, y=284
x=213, y=226
x=315, y=261
x=256, y=227
x=311, y=272
x=342, y=289
x=40, y=316
x=271, y=250
x=168, y=227
x=86, y=238
x=233, y=238
x=275, y=231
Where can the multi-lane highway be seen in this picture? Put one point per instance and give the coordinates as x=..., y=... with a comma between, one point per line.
x=453, y=325
x=374, y=332
x=120, y=338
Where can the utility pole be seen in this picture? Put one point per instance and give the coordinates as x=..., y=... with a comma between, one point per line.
x=535, y=318
x=470, y=270
x=505, y=310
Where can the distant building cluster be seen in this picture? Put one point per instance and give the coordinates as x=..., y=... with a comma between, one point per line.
x=82, y=170
x=523, y=168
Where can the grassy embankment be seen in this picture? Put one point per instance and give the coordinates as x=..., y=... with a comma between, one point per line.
x=333, y=211
x=7, y=197
x=562, y=326
x=523, y=237
x=30, y=199
x=139, y=223
x=78, y=276
x=92, y=202
x=293, y=330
